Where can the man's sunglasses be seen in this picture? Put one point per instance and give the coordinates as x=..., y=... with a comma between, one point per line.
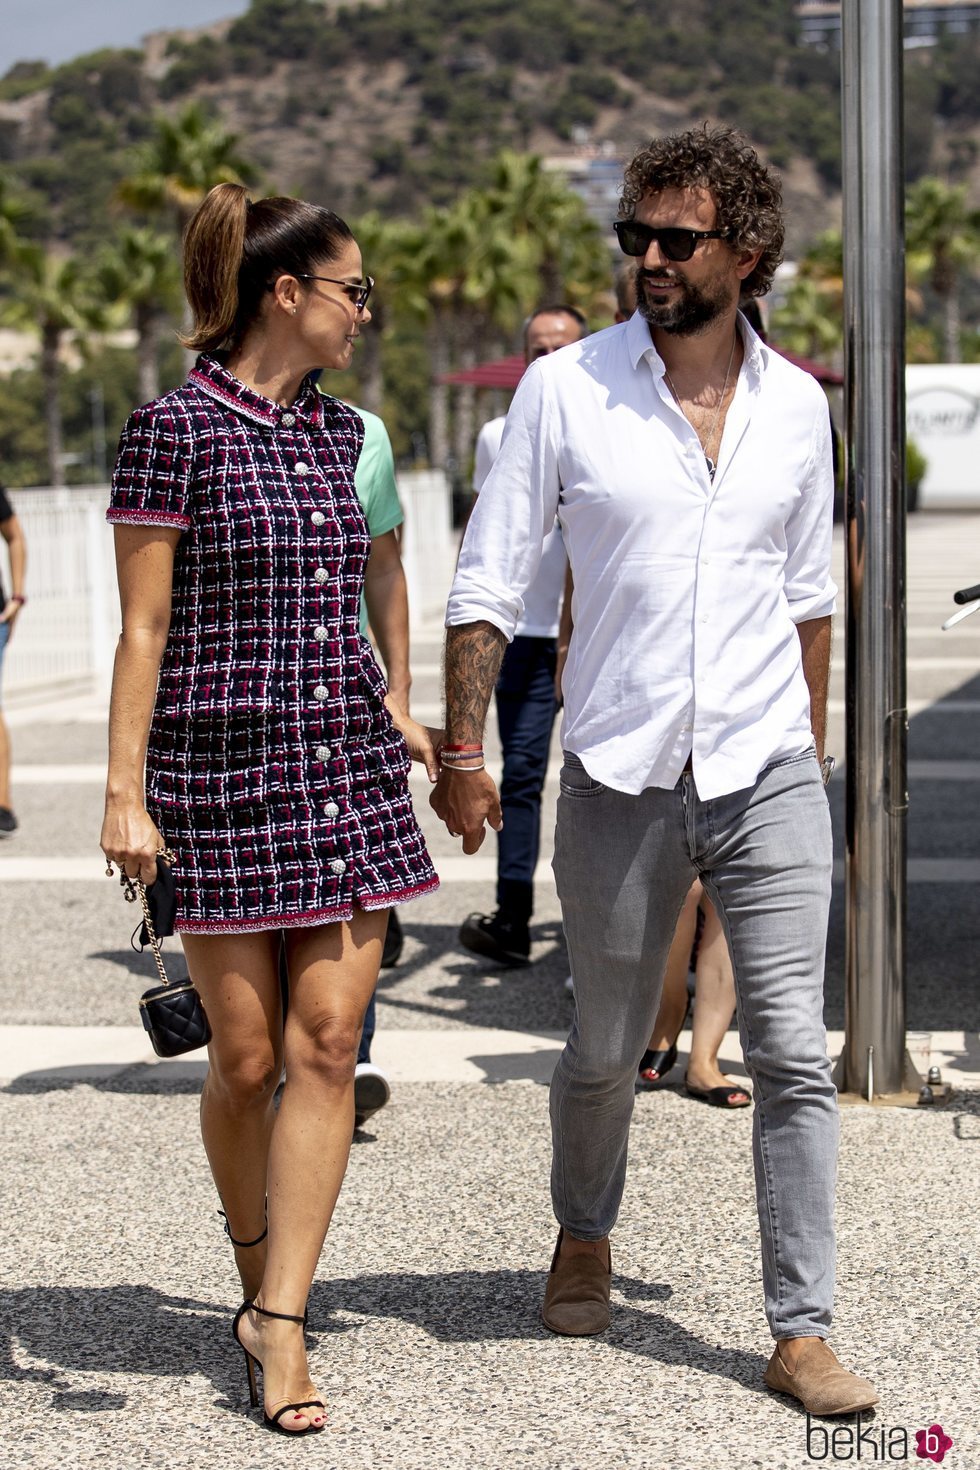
x=636, y=239
x=358, y=294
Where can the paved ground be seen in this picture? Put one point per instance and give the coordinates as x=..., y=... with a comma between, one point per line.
x=116, y=1285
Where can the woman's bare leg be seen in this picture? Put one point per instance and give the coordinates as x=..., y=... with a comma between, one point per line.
x=238, y=979
x=714, y=1005
x=333, y=971
x=673, y=1000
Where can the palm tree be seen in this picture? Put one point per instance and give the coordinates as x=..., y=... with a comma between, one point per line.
x=140, y=272
x=807, y=322
x=190, y=154
x=942, y=240
x=13, y=213
x=51, y=295
x=462, y=273
x=571, y=261
x=383, y=243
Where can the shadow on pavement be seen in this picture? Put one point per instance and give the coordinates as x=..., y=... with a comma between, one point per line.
x=174, y=1079
x=137, y=1331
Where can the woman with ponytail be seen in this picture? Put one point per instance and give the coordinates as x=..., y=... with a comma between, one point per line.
x=250, y=733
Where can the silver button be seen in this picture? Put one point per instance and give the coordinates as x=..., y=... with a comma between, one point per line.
x=302, y=469
x=321, y=634
x=320, y=692
x=338, y=866
x=323, y=752
x=287, y=420
x=332, y=809
x=318, y=518
x=321, y=575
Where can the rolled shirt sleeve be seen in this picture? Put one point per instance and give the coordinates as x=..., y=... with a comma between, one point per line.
x=808, y=585
x=514, y=512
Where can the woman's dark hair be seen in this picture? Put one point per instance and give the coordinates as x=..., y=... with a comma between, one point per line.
x=234, y=250
x=747, y=196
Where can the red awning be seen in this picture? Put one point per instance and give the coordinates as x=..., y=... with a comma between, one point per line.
x=503, y=372
x=506, y=372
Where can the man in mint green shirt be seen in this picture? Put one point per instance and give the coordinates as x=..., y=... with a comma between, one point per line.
x=384, y=604
x=385, y=601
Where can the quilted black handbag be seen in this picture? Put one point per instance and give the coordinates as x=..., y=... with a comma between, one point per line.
x=173, y=1015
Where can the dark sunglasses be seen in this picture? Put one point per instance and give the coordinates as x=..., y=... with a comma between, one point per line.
x=636, y=239
x=358, y=295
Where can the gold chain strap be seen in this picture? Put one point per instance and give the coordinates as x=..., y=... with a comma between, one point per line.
x=133, y=886
x=154, y=941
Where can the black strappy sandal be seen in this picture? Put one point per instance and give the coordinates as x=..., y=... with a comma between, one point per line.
x=251, y=1362
x=245, y=1244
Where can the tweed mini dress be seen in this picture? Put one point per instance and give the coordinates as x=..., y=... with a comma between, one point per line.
x=273, y=769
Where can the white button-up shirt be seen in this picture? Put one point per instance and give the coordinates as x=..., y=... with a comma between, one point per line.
x=542, y=599
x=687, y=593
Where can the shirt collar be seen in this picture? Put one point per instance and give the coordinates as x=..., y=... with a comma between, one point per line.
x=213, y=378
x=639, y=345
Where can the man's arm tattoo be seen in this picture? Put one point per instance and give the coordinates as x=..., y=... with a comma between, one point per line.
x=474, y=652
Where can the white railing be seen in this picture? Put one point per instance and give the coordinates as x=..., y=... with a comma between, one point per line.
x=67, y=632
x=428, y=542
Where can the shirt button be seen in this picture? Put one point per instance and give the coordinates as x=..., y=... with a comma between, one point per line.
x=704, y=617
x=332, y=809
x=338, y=866
x=323, y=752
x=302, y=469
x=321, y=574
x=318, y=518
x=321, y=634
x=320, y=692
x=287, y=420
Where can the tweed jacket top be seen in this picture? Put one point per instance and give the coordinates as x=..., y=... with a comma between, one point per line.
x=270, y=748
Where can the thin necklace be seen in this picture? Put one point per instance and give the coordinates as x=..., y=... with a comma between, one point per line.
x=712, y=466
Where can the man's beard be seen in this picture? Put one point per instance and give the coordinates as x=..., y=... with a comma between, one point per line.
x=692, y=313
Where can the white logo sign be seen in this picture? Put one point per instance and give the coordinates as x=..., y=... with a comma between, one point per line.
x=941, y=411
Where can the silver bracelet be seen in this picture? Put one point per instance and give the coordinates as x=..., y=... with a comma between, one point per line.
x=464, y=769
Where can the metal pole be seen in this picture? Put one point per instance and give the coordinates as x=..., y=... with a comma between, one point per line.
x=877, y=717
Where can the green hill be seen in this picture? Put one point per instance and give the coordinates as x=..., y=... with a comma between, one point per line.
x=390, y=105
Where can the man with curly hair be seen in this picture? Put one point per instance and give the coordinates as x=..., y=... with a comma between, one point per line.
x=690, y=468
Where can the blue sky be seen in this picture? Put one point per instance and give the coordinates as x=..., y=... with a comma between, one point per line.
x=57, y=30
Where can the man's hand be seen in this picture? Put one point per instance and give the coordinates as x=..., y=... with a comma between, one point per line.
x=466, y=802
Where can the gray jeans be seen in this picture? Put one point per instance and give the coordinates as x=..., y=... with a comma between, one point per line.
x=623, y=866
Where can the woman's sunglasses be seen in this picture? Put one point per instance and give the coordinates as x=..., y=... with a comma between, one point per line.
x=636, y=239
x=358, y=294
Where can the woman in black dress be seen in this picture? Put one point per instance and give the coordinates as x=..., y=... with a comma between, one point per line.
x=273, y=767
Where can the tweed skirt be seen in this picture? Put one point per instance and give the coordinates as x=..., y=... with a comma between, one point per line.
x=272, y=860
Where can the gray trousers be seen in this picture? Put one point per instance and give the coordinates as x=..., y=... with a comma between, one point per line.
x=623, y=866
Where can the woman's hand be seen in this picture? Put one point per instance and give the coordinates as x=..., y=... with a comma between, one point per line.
x=10, y=612
x=130, y=839
x=423, y=742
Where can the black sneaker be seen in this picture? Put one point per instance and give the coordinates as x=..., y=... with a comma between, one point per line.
x=8, y=822
x=504, y=940
x=394, y=941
